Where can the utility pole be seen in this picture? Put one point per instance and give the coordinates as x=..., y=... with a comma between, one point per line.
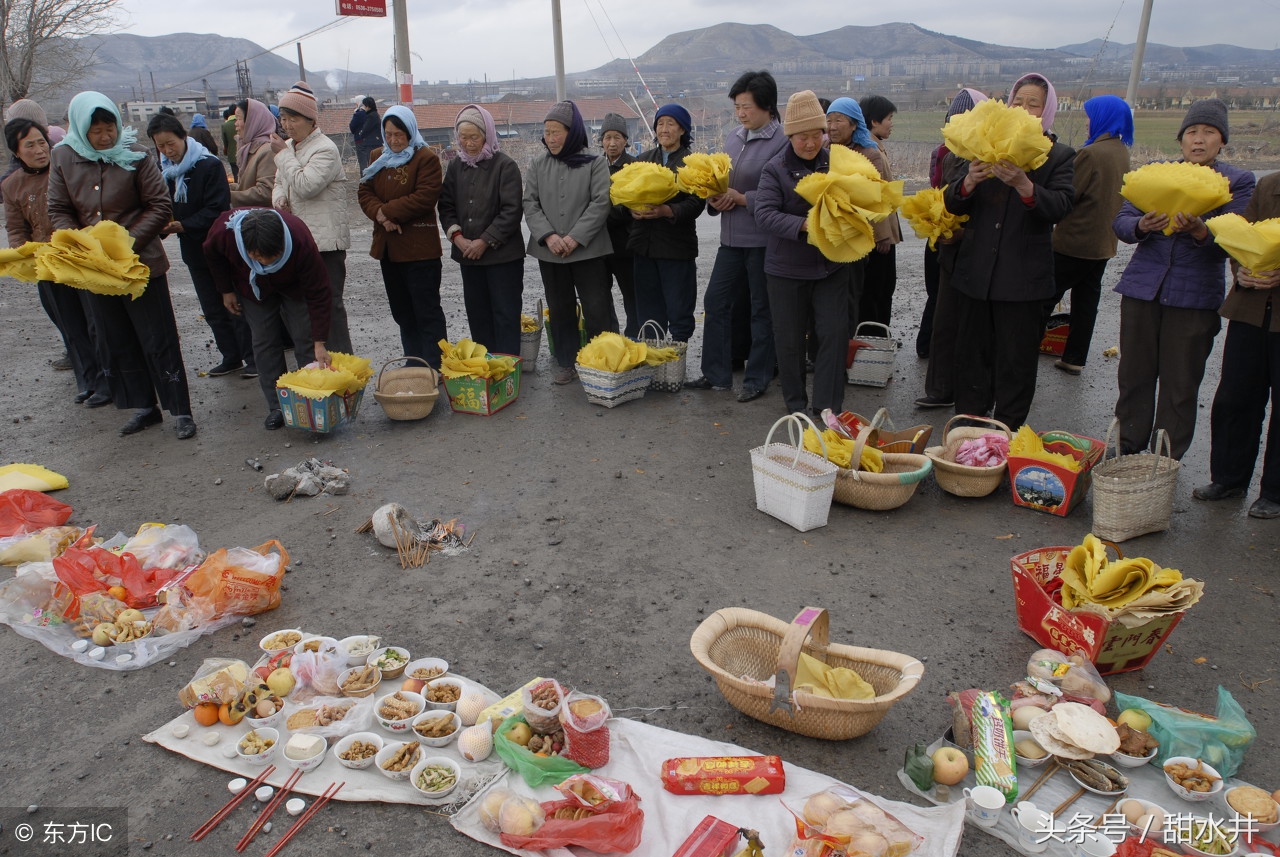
x=404, y=73
x=558, y=40
x=302, y=69
x=1135, y=73
x=153, y=85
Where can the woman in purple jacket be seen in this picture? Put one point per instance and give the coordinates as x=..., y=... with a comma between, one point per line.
x=1172, y=289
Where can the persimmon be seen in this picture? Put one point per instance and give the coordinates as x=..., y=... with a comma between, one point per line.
x=207, y=713
x=118, y=592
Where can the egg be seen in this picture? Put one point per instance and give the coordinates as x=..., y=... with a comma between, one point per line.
x=1133, y=810
x=1152, y=823
x=476, y=742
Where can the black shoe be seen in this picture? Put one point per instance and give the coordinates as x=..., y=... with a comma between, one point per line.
x=141, y=420
x=1264, y=508
x=185, y=428
x=1069, y=368
x=97, y=400
x=934, y=402
x=62, y=364
x=1214, y=491
x=250, y=371
x=274, y=420
x=748, y=394
x=226, y=367
x=83, y=397
x=703, y=384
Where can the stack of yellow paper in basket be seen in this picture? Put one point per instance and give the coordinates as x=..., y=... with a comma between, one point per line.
x=846, y=201
x=1256, y=246
x=346, y=374
x=612, y=352
x=98, y=258
x=994, y=132
x=928, y=216
x=642, y=184
x=470, y=359
x=1176, y=188
x=1027, y=444
x=840, y=451
x=1132, y=591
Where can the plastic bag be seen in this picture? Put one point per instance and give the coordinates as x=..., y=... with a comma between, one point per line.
x=1220, y=741
x=832, y=822
x=95, y=570
x=541, y=719
x=317, y=673
x=234, y=588
x=536, y=770
x=165, y=546
x=585, y=734
x=30, y=599
x=610, y=827
x=1071, y=675
x=217, y=680
x=310, y=718
x=23, y=511
x=40, y=546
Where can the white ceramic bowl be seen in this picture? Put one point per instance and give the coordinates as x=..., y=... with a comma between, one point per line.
x=391, y=672
x=1148, y=808
x=309, y=643
x=1124, y=760
x=262, y=644
x=429, y=716
x=399, y=726
x=427, y=664
x=271, y=721
x=1089, y=788
x=310, y=763
x=385, y=754
x=1187, y=794
x=346, y=741
x=266, y=755
x=1233, y=813
x=1186, y=845
x=443, y=706
x=442, y=761
x=350, y=671
x=1024, y=761
x=354, y=660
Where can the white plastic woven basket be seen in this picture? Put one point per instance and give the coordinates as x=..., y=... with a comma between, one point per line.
x=872, y=365
x=793, y=484
x=610, y=389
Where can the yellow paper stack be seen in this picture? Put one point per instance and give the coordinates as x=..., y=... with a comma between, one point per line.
x=528, y=324
x=98, y=258
x=1027, y=444
x=346, y=374
x=612, y=352
x=846, y=201
x=470, y=359
x=1090, y=577
x=813, y=676
x=704, y=175
x=642, y=184
x=31, y=477
x=840, y=451
x=1176, y=188
x=1256, y=246
x=992, y=132
x=928, y=216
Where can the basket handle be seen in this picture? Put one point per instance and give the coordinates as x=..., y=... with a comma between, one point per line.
x=888, y=334
x=659, y=333
x=795, y=431
x=946, y=430
x=867, y=433
x=1163, y=453
x=377, y=384
x=811, y=622
x=881, y=420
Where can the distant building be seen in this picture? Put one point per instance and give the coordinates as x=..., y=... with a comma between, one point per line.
x=140, y=112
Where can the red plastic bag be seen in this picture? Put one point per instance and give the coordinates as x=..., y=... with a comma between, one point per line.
x=611, y=827
x=23, y=511
x=236, y=589
x=96, y=570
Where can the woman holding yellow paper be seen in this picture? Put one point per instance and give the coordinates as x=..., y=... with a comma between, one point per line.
x=1172, y=288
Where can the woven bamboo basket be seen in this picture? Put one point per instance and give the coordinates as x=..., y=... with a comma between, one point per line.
x=531, y=342
x=964, y=480
x=407, y=393
x=903, y=472
x=743, y=648
x=1133, y=494
x=890, y=438
x=668, y=377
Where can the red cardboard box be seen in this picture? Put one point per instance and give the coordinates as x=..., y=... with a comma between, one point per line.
x=711, y=838
x=1055, y=334
x=724, y=775
x=1111, y=646
x=1046, y=487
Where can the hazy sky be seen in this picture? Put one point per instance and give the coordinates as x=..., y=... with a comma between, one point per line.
x=468, y=39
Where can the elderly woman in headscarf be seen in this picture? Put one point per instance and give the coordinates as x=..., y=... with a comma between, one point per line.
x=254, y=126
x=97, y=174
x=566, y=203
x=481, y=208
x=1004, y=268
x=398, y=192
x=1083, y=241
x=200, y=131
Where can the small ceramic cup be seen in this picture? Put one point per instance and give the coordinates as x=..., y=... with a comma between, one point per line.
x=985, y=805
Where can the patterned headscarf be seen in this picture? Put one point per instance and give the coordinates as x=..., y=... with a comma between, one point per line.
x=1050, y=99
x=482, y=119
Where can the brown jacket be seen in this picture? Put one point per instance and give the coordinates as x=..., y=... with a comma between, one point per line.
x=1086, y=233
x=407, y=196
x=257, y=178
x=889, y=227
x=84, y=192
x=1250, y=305
x=26, y=207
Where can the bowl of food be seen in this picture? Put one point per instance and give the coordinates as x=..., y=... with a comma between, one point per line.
x=358, y=749
x=359, y=681
x=316, y=644
x=358, y=648
x=443, y=694
x=1097, y=777
x=435, y=776
x=1207, y=837
x=278, y=641
x=305, y=752
x=396, y=760
x=1125, y=760
x=1251, y=809
x=1146, y=819
x=426, y=669
x=437, y=728
x=395, y=711
x=266, y=713
x=391, y=660
x=258, y=746
x=1191, y=779
x=1030, y=753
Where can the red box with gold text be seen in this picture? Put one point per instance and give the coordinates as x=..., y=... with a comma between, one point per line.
x=724, y=775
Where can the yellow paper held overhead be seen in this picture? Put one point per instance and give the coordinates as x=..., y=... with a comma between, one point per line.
x=993, y=131
x=642, y=184
x=98, y=258
x=928, y=216
x=846, y=201
x=1176, y=188
x=704, y=175
x=31, y=477
x=470, y=359
x=20, y=262
x=840, y=451
x=1256, y=246
x=813, y=676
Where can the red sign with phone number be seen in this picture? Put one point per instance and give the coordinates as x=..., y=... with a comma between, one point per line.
x=363, y=8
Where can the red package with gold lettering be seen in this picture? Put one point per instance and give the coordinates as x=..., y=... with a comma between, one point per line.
x=724, y=775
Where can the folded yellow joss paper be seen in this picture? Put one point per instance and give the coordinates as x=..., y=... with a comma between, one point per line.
x=704, y=175
x=360, y=369
x=993, y=131
x=846, y=201
x=470, y=359
x=1090, y=577
x=346, y=374
x=1256, y=246
x=642, y=184
x=928, y=216
x=1171, y=188
x=813, y=676
x=1027, y=444
x=98, y=258
x=613, y=352
x=528, y=324
x=31, y=477
x=20, y=262
x=840, y=451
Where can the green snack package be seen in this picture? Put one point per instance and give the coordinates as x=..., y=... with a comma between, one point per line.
x=993, y=760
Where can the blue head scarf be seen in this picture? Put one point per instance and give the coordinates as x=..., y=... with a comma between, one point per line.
x=177, y=173
x=80, y=117
x=682, y=118
x=1109, y=114
x=389, y=158
x=234, y=223
x=197, y=121
x=861, y=133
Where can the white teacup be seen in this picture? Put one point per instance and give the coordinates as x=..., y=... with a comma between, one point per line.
x=1096, y=845
x=1035, y=827
x=985, y=804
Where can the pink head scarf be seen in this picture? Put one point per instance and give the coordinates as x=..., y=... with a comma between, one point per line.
x=471, y=113
x=1050, y=99
x=259, y=125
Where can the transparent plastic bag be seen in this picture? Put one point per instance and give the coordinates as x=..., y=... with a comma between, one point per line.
x=317, y=674
x=586, y=734
x=174, y=546
x=542, y=719
x=1221, y=740
x=311, y=717
x=217, y=680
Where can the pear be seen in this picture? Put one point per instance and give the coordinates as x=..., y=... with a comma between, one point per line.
x=104, y=634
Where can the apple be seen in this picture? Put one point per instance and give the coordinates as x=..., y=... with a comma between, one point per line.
x=521, y=733
x=413, y=685
x=104, y=634
x=281, y=681
x=262, y=672
x=949, y=766
x=1135, y=718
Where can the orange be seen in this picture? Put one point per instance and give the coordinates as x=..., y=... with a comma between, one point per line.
x=225, y=716
x=118, y=592
x=206, y=713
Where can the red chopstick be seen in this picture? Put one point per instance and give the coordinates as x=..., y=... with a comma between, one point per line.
x=265, y=815
x=217, y=817
x=302, y=819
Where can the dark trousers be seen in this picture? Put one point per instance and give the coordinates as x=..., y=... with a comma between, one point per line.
x=940, y=377
x=1250, y=376
x=667, y=294
x=738, y=275
x=68, y=307
x=492, y=295
x=362, y=156
x=997, y=352
x=1168, y=347
x=267, y=320
x=139, y=349
x=931, y=273
x=623, y=269
x=790, y=302
x=413, y=291
x=230, y=332
x=566, y=284
x=1083, y=278
x=335, y=262
x=881, y=278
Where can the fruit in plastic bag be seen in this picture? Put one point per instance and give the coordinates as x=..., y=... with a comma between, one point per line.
x=520, y=816
x=491, y=806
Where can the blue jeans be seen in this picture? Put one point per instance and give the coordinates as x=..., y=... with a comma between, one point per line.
x=738, y=275
x=667, y=293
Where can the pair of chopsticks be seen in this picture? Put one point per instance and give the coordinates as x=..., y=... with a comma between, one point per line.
x=265, y=815
x=217, y=818
x=302, y=819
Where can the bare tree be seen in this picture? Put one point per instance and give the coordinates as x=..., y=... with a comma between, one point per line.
x=42, y=52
